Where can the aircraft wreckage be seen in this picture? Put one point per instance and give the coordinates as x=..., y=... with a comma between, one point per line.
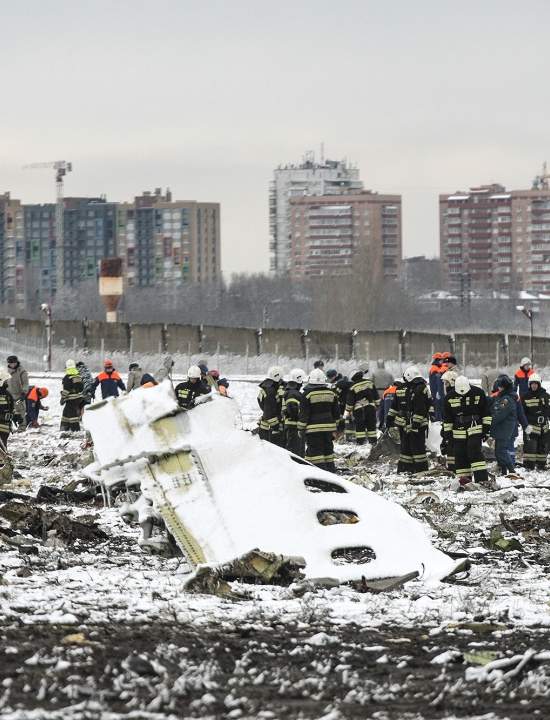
x=222, y=492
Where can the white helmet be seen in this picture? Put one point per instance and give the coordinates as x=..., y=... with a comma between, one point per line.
x=194, y=372
x=525, y=361
x=363, y=367
x=411, y=373
x=535, y=377
x=4, y=375
x=317, y=377
x=462, y=385
x=275, y=373
x=70, y=364
x=298, y=375
x=450, y=377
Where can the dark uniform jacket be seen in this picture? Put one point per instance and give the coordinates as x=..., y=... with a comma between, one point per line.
x=110, y=384
x=397, y=414
x=6, y=409
x=418, y=404
x=291, y=404
x=72, y=390
x=361, y=394
x=505, y=415
x=537, y=409
x=187, y=392
x=270, y=401
x=341, y=388
x=319, y=409
x=466, y=415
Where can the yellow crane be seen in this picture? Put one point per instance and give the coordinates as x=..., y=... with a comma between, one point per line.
x=61, y=167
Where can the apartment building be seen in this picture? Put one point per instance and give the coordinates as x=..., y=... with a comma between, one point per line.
x=330, y=235
x=308, y=178
x=495, y=239
x=161, y=241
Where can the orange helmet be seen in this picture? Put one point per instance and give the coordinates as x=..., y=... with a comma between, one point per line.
x=437, y=356
x=108, y=363
x=43, y=392
x=446, y=355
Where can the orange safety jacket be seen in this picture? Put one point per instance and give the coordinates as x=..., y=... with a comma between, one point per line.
x=391, y=390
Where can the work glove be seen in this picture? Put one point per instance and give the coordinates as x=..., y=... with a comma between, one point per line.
x=444, y=447
x=528, y=430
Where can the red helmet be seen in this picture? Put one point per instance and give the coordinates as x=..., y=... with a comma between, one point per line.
x=43, y=392
x=108, y=363
x=437, y=356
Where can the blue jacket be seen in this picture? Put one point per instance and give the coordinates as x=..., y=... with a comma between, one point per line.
x=505, y=416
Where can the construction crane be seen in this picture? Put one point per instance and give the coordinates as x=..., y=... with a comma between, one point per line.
x=61, y=167
x=541, y=181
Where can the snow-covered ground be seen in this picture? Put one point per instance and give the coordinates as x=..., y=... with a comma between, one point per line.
x=110, y=589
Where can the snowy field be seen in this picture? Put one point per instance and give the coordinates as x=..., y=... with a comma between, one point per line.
x=94, y=628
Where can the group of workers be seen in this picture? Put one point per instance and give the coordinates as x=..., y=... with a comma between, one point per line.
x=307, y=414
x=20, y=402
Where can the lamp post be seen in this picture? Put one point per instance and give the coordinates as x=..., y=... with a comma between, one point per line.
x=47, y=310
x=529, y=314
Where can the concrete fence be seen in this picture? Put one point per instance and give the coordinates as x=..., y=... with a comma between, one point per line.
x=491, y=349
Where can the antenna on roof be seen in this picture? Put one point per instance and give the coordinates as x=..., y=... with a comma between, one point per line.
x=322, y=158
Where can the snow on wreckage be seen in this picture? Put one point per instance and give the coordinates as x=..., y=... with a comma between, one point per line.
x=223, y=492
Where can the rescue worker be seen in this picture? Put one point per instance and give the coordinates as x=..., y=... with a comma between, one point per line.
x=418, y=406
x=447, y=445
x=319, y=365
x=190, y=389
x=522, y=375
x=436, y=384
x=270, y=402
x=341, y=385
x=110, y=381
x=72, y=398
x=319, y=415
x=147, y=381
x=467, y=422
x=397, y=417
x=448, y=362
x=18, y=385
x=386, y=403
x=135, y=374
x=6, y=409
x=536, y=403
x=34, y=404
x=223, y=387
x=362, y=403
x=504, y=422
x=165, y=370
x=292, y=399
x=521, y=418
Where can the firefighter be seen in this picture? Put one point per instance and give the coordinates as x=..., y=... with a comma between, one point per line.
x=319, y=415
x=72, y=398
x=110, y=381
x=436, y=384
x=397, y=417
x=362, y=403
x=34, y=404
x=522, y=375
x=447, y=445
x=190, y=389
x=505, y=421
x=341, y=385
x=270, y=401
x=7, y=406
x=467, y=420
x=18, y=385
x=536, y=403
x=291, y=412
x=418, y=406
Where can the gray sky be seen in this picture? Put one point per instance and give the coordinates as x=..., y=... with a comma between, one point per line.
x=209, y=96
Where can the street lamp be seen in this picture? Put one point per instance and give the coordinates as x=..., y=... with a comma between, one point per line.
x=529, y=314
x=47, y=310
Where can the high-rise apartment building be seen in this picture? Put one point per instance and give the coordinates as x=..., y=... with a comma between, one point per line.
x=329, y=235
x=161, y=241
x=328, y=177
x=494, y=239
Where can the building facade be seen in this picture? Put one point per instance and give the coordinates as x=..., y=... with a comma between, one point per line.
x=162, y=243
x=330, y=235
x=494, y=239
x=328, y=177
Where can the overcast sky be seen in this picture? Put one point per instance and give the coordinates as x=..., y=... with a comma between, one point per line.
x=208, y=96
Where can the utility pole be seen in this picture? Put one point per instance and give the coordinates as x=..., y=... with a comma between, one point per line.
x=61, y=167
x=47, y=310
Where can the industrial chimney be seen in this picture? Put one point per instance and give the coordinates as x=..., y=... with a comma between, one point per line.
x=110, y=285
